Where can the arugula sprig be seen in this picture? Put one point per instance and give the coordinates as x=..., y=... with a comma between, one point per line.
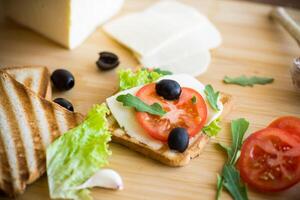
x=230, y=177
x=162, y=72
x=133, y=101
x=212, y=97
x=248, y=81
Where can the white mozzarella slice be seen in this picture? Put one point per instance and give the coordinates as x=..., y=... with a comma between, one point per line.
x=125, y=116
x=143, y=33
x=203, y=28
x=184, y=56
x=160, y=25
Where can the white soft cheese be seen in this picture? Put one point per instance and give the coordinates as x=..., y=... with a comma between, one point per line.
x=168, y=35
x=126, y=116
x=67, y=22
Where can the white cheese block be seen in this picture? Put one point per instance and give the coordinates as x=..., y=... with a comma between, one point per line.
x=126, y=116
x=67, y=22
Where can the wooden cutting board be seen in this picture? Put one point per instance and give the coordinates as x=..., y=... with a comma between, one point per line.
x=253, y=45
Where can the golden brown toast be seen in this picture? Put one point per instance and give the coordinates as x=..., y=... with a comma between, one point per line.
x=164, y=154
x=37, y=78
x=28, y=124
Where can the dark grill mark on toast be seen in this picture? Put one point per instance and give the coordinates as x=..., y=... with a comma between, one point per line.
x=6, y=184
x=28, y=82
x=50, y=115
x=44, y=82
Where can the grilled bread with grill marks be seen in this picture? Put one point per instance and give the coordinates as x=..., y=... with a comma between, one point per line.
x=28, y=124
x=34, y=77
x=164, y=154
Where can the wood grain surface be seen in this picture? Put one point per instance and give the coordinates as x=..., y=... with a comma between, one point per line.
x=253, y=45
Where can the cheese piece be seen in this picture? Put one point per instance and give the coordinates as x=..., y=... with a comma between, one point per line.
x=126, y=118
x=203, y=28
x=144, y=33
x=186, y=55
x=67, y=22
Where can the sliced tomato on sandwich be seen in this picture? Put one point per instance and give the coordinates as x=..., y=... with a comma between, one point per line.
x=189, y=111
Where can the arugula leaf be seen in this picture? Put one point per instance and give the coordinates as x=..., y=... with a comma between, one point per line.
x=162, y=72
x=219, y=186
x=133, y=101
x=230, y=176
x=212, y=97
x=194, y=100
x=213, y=128
x=238, y=130
x=248, y=81
x=232, y=182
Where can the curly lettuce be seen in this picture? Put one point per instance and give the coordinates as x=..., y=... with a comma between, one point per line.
x=213, y=128
x=129, y=78
x=77, y=155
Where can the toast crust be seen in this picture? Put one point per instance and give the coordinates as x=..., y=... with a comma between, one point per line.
x=165, y=155
x=44, y=88
x=15, y=176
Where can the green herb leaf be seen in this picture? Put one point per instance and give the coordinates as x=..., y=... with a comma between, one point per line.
x=162, y=72
x=212, y=97
x=230, y=176
x=219, y=186
x=194, y=100
x=238, y=130
x=233, y=183
x=213, y=128
x=133, y=101
x=248, y=81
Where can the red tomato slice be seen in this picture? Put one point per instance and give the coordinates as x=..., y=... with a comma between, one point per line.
x=288, y=123
x=270, y=160
x=180, y=113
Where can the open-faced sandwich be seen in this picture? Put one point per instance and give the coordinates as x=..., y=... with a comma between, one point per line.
x=169, y=118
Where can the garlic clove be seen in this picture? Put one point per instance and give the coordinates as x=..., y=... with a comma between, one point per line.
x=105, y=178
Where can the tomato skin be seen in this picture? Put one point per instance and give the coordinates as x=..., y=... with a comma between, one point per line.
x=270, y=160
x=288, y=123
x=192, y=116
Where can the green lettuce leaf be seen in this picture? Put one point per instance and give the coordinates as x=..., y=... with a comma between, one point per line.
x=77, y=155
x=129, y=78
x=213, y=128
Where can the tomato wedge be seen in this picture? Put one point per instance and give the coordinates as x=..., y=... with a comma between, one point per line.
x=270, y=160
x=288, y=123
x=180, y=113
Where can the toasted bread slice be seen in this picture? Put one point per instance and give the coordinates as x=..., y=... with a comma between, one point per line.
x=28, y=124
x=34, y=77
x=164, y=154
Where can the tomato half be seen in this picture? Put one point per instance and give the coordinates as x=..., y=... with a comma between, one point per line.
x=180, y=113
x=270, y=160
x=288, y=123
